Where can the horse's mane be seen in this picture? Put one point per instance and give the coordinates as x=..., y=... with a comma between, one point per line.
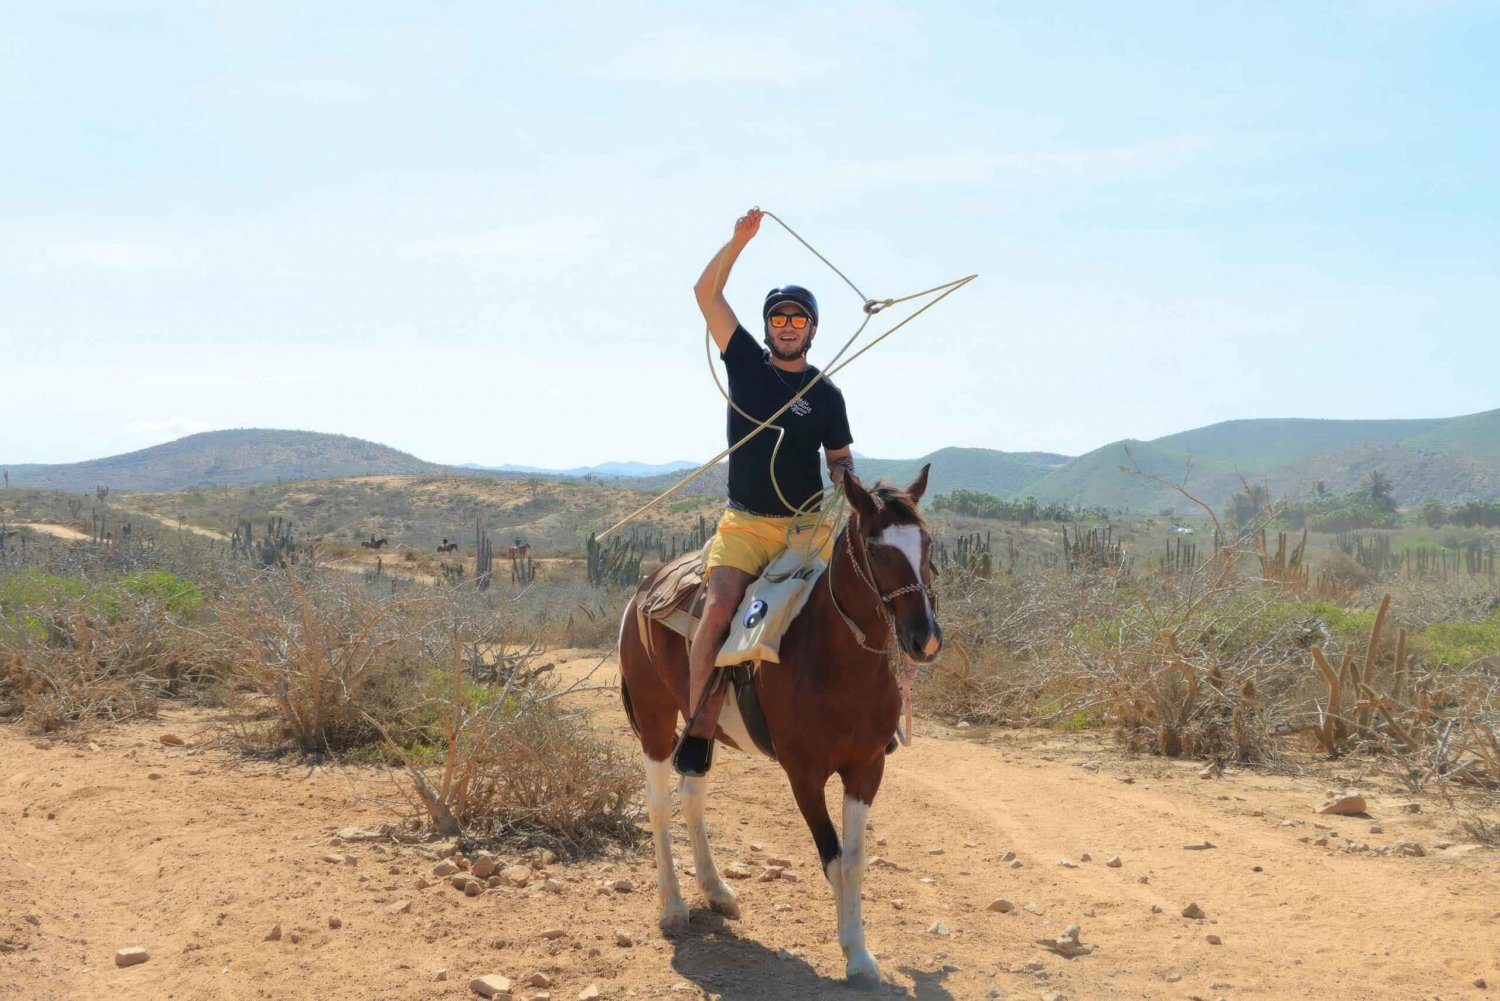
x=897, y=504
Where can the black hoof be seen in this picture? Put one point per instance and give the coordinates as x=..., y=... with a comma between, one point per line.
x=694, y=756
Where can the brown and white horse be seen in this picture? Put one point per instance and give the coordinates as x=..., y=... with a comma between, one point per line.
x=830, y=705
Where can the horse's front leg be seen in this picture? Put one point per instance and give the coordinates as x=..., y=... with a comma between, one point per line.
x=659, y=775
x=861, y=969
x=720, y=897
x=844, y=865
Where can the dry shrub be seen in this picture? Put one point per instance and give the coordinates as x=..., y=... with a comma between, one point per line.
x=325, y=655
x=542, y=776
x=515, y=766
x=68, y=666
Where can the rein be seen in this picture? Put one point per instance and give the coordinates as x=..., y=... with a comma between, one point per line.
x=903, y=670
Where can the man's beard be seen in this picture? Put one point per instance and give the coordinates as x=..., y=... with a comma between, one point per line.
x=782, y=354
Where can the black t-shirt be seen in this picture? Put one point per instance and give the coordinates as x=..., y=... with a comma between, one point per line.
x=817, y=421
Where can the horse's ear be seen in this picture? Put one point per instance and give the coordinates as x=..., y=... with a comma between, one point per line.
x=919, y=485
x=859, y=497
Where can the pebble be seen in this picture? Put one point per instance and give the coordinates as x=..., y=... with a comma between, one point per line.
x=334, y=921
x=1008, y=857
x=552, y=885
x=131, y=956
x=1193, y=911
x=1032, y=908
x=780, y=863
x=444, y=868
x=1114, y=862
x=623, y=938
x=1016, y=864
x=491, y=985
x=1068, y=944
x=735, y=870
x=153, y=775
x=1001, y=905
x=1376, y=829
x=1411, y=849
x=589, y=993
x=936, y=851
x=939, y=929
x=1143, y=880
x=1085, y=857
x=399, y=907
x=1344, y=806
x=1068, y=865
x=551, y=933
x=1215, y=940
x=484, y=866
x=331, y=857
x=516, y=875
x=1156, y=908
x=274, y=935
x=622, y=886
x=540, y=980
x=172, y=740
x=1199, y=846
x=1411, y=808
x=440, y=974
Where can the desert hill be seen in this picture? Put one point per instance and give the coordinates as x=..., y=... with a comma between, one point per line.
x=226, y=458
x=1450, y=459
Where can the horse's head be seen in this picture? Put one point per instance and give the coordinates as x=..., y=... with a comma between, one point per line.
x=894, y=537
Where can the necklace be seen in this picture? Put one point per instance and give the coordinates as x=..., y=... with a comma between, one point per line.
x=788, y=385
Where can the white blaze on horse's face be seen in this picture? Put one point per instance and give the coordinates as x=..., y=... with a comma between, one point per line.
x=908, y=539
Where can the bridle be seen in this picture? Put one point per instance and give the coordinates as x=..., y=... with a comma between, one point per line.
x=892, y=648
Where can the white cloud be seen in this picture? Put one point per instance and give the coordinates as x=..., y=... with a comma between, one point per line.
x=117, y=256
x=551, y=237
x=323, y=91
x=682, y=55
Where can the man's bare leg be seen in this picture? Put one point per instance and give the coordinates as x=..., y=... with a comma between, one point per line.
x=726, y=589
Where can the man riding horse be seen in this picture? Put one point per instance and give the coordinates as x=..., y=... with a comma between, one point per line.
x=758, y=523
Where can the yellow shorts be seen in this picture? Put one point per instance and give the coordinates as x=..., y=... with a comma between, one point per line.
x=749, y=542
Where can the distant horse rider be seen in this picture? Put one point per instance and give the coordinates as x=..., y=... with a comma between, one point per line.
x=757, y=524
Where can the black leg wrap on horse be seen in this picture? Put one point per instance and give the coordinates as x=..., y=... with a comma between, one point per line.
x=828, y=846
x=694, y=755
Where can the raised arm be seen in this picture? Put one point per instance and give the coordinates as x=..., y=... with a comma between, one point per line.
x=710, y=288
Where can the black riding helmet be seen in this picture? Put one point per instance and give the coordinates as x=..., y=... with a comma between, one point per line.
x=791, y=293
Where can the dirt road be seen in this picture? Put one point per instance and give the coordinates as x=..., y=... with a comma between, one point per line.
x=196, y=854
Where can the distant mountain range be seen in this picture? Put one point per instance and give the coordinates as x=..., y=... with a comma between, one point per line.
x=1451, y=459
x=604, y=469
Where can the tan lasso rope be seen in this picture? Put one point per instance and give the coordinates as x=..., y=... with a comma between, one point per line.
x=871, y=307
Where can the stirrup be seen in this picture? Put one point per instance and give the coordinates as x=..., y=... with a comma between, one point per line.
x=694, y=756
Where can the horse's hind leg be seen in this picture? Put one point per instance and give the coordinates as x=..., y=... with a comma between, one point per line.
x=659, y=776
x=720, y=897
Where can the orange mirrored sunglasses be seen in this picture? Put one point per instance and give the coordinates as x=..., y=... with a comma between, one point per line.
x=798, y=320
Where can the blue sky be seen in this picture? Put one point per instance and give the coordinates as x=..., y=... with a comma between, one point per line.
x=470, y=230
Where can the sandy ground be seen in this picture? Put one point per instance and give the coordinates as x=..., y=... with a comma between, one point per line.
x=195, y=854
x=60, y=531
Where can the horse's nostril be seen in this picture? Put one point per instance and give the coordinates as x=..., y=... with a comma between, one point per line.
x=933, y=645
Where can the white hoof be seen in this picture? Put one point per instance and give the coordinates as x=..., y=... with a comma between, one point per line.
x=723, y=900
x=674, y=917
x=862, y=972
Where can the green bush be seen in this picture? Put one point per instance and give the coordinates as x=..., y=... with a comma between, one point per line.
x=1457, y=644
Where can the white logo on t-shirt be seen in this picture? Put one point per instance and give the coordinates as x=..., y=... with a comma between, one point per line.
x=802, y=408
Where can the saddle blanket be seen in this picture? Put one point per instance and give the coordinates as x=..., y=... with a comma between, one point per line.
x=674, y=596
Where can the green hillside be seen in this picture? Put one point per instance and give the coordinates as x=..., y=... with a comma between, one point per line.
x=984, y=469
x=1096, y=478
x=1261, y=444
x=1476, y=434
